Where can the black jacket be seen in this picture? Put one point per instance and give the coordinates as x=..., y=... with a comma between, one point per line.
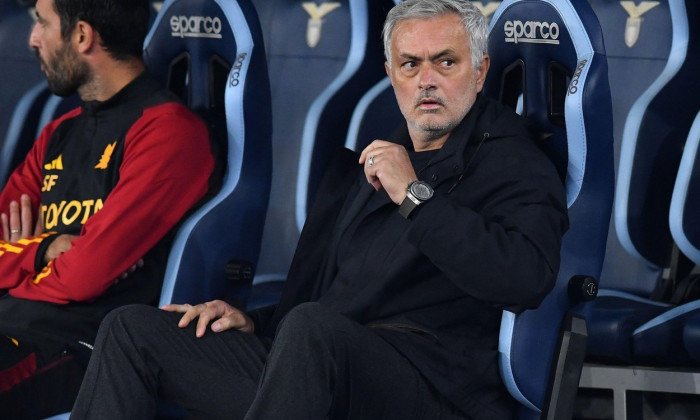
x=435, y=286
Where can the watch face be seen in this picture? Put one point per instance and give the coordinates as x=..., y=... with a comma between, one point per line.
x=421, y=190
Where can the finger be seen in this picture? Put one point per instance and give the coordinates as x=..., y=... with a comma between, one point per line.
x=371, y=174
x=188, y=316
x=371, y=149
x=374, y=148
x=26, y=216
x=363, y=156
x=15, y=221
x=139, y=263
x=234, y=320
x=227, y=323
x=205, y=317
x=39, y=227
x=5, y=228
x=173, y=307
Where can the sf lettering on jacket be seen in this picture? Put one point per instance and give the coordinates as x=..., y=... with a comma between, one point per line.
x=120, y=174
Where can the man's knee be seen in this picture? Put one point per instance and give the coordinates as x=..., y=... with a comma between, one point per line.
x=306, y=316
x=129, y=319
x=312, y=321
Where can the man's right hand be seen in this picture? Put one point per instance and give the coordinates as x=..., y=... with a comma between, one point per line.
x=18, y=225
x=61, y=244
x=225, y=317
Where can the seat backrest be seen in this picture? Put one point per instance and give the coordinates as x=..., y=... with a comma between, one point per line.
x=548, y=59
x=377, y=114
x=19, y=73
x=211, y=53
x=22, y=129
x=684, y=216
x=322, y=57
x=654, y=59
x=35, y=109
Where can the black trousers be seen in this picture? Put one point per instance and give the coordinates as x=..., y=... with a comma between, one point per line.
x=40, y=372
x=36, y=381
x=320, y=365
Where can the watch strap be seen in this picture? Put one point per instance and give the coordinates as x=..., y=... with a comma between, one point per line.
x=408, y=205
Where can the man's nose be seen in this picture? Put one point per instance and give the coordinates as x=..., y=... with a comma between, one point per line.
x=33, y=37
x=426, y=77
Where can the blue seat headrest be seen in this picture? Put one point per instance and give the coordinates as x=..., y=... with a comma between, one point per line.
x=541, y=52
x=190, y=41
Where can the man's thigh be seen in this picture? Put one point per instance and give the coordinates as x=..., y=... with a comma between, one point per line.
x=214, y=376
x=369, y=377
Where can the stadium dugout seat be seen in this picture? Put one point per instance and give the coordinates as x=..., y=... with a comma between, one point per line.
x=652, y=65
x=668, y=345
x=638, y=42
x=211, y=53
x=667, y=340
x=322, y=57
x=19, y=73
x=636, y=321
x=548, y=61
x=684, y=219
x=671, y=339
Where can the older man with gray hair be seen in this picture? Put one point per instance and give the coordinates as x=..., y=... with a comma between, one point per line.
x=393, y=301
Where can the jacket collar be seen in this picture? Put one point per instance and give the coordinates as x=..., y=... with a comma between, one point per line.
x=451, y=156
x=142, y=86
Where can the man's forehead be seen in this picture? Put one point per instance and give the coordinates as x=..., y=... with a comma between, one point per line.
x=444, y=31
x=45, y=9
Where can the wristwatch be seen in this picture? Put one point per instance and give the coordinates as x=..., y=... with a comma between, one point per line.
x=417, y=193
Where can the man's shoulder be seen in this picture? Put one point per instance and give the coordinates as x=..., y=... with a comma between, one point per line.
x=48, y=130
x=167, y=110
x=502, y=119
x=159, y=102
x=514, y=140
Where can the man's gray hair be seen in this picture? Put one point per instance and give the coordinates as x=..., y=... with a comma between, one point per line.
x=474, y=22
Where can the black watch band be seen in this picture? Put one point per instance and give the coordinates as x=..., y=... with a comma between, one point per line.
x=417, y=193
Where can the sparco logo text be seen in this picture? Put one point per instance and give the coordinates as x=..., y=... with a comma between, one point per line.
x=573, y=86
x=532, y=32
x=195, y=26
x=236, y=70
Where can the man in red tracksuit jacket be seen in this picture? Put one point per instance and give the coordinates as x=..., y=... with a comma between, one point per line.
x=87, y=216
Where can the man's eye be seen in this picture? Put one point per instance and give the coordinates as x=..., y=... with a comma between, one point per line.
x=408, y=65
x=447, y=62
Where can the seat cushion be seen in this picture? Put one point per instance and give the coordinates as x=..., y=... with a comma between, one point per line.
x=615, y=318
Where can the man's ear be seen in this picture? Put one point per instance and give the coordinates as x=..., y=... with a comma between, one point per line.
x=482, y=72
x=84, y=36
x=388, y=70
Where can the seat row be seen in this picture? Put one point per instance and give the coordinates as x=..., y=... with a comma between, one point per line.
x=643, y=333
